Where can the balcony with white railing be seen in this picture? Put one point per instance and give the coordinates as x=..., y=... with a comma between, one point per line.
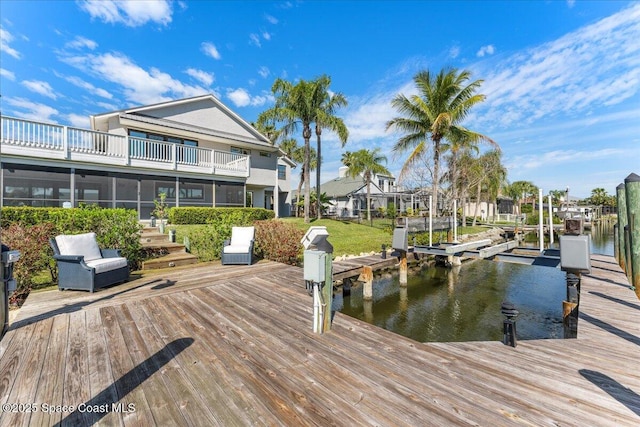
x=43, y=140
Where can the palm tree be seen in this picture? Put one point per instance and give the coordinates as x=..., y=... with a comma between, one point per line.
x=326, y=104
x=437, y=113
x=296, y=153
x=366, y=163
x=267, y=129
x=294, y=106
x=519, y=190
x=492, y=175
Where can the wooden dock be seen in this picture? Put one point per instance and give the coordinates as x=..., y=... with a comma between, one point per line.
x=233, y=346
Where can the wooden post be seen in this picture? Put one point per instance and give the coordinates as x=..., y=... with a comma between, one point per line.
x=632, y=193
x=366, y=276
x=327, y=295
x=622, y=221
x=570, y=306
x=403, y=268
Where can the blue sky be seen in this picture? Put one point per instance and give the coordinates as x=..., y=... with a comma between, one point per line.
x=562, y=78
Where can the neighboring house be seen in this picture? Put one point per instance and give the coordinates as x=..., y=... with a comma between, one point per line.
x=348, y=196
x=502, y=205
x=195, y=150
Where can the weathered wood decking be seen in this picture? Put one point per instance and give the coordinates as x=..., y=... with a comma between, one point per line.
x=233, y=345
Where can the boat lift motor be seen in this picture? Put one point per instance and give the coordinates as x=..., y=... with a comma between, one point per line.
x=7, y=259
x=318, y=275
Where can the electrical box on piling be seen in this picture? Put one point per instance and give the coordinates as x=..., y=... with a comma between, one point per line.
x=318, y=275
x=575, y=254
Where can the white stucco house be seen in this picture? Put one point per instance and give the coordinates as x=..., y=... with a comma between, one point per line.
x=196, y=150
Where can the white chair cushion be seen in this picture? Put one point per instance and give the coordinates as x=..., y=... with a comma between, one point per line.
x=107, y=264
x=236, y=249
x=79, y=244
x=242, y=236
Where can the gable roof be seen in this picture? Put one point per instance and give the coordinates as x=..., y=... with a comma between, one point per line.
x=204, y=114
x=346, y=186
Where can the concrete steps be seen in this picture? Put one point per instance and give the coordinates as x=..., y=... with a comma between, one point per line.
x=177, y=255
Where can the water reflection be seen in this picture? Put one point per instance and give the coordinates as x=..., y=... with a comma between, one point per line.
x=463, y=303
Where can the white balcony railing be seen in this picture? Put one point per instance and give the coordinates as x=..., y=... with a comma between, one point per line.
x=44, y=140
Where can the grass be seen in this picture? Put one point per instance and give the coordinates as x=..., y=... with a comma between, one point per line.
x=348, y=238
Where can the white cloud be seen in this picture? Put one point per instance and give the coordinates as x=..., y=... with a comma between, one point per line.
x=454, y=52
x=241, y=98
x=79, y=121
x=7, y=74
x=5, y=39
x=486, y=50
x=254, y=39
x=571, y=3
x=32, y=110
x=129, y=13
x=210, y=49
x=139, y=85
x=559, y=157
x=597, y=65
x=81, y=42
x=264, y=72
x=89, y=87
x=40, y=87
x=271, y=19
x=266, y=35
x=202, y=76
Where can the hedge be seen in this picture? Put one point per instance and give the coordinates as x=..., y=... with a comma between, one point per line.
x=114, y=228
x=201, y=215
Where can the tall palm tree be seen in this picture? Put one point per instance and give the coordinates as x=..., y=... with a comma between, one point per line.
x=436, y=113
x=294, y=107
x=366, y=163
x=296, y=153
x=326, y=104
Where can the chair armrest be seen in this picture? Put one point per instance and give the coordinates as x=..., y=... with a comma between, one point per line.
x=110, y=253
x=69, y=258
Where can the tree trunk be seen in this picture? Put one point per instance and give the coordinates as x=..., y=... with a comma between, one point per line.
x=306, y=134
x=475, y=213
x=319, y=162
x=436, y=170
x=297, y=207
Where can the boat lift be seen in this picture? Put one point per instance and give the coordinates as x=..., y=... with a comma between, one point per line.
x=482, y=249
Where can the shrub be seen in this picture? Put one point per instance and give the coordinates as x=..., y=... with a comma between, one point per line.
x=114, y=228
x=207, y=242
x=201, y=215
x=278, y=241
x=35, y=253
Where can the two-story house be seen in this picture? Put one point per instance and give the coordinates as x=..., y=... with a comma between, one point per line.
x=196, y=151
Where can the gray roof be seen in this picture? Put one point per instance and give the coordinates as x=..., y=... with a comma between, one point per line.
x=345, y=186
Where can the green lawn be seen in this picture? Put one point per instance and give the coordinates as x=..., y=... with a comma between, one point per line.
x=349, y=238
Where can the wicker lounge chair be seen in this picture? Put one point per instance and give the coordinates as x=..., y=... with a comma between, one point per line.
x=239, y=249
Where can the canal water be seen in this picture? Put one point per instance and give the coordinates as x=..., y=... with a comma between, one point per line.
x=463, y=303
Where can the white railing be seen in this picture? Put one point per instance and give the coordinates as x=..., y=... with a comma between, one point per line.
x=102, y=147
x=98, y=143
x=32, y=134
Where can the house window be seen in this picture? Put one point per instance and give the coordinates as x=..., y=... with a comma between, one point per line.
x=159, y=137
x=265, y=154
x=238, y=150
x=282, y=172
